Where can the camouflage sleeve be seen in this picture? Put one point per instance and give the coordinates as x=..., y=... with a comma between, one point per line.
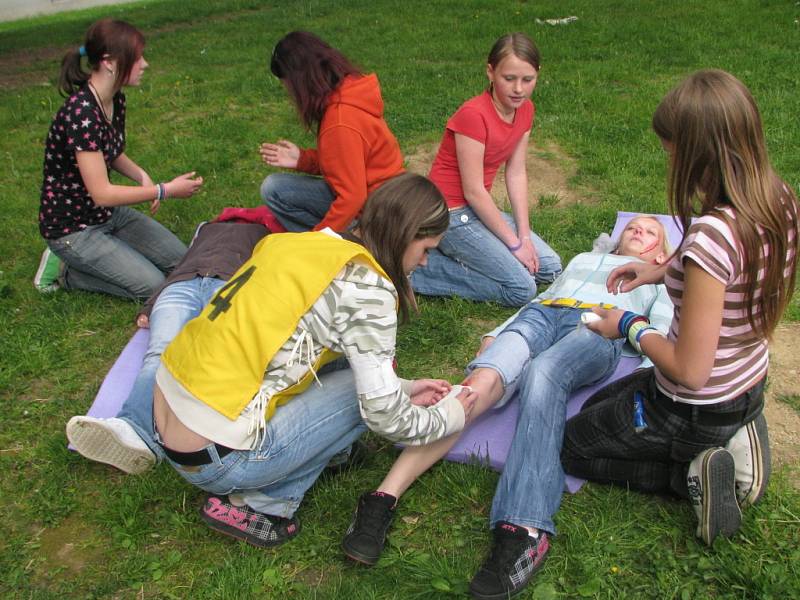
x=366, y=321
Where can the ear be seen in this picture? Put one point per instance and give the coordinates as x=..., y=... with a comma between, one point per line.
x=489, y=72
x=109, y=64
x=660, y=258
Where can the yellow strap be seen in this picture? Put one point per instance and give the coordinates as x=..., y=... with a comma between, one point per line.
x=573, y=303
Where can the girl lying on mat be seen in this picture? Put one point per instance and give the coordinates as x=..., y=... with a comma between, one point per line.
x=698, y=430
x=544, y=352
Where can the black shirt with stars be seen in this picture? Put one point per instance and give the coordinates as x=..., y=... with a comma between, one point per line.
x=79, y=125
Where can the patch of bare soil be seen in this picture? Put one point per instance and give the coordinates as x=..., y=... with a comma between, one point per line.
x=550, y=170
x=69, y=547
x=784, y=380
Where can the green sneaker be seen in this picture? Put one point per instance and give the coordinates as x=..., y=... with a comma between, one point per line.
x=47, y=275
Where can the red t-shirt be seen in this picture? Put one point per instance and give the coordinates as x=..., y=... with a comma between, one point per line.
x=478, y=119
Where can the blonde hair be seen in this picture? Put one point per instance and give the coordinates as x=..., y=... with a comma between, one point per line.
x=518, y=44
x=718, y=158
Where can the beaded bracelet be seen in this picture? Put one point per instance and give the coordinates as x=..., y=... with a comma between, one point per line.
x=162, y=191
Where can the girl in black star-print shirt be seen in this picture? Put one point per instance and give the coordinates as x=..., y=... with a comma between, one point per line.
x=85, y=219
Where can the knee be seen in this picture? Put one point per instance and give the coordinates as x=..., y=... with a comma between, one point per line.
x=146, y=284
x=519, y=292
x=549, y=268
x=270, y=187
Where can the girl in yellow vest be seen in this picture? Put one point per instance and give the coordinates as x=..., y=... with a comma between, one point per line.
x=251, y=402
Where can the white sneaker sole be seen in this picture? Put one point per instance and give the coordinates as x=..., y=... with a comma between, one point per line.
x=97, y=441
x=721, y=513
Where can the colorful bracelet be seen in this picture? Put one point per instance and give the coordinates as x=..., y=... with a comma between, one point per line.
x=627, y=319
x=162, y=192
x=515, y=248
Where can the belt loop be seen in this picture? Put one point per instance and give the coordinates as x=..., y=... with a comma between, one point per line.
x=695, y=414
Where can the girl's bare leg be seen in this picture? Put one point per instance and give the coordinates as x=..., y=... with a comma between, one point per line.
x=415, y=460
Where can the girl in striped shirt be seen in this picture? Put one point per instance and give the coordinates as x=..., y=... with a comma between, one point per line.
x=692, y=425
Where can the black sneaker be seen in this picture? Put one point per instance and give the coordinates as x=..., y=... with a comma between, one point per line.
x=366, y=535
x=514, y=559
x=243, y=523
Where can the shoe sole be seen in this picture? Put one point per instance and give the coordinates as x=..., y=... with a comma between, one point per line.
x=508, y=594
x=758, y=435
x=359, y=557
x=721, y=513
x=98, y=442
x=242, y=536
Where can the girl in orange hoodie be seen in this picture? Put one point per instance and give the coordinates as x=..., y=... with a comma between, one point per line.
x=356, y=151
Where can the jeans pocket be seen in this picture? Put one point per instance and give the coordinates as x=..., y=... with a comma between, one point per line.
x=212, y=477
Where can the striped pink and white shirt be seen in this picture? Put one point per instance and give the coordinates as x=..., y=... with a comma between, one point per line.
x=742, y=356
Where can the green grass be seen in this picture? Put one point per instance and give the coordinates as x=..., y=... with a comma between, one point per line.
x=205, y=104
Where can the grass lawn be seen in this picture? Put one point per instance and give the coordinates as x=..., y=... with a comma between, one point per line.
x=77, y=529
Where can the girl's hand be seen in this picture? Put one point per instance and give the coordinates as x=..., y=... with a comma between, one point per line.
x=608, y=327
x=527, y=255
x=183, y=186
x=485, y=343
x=633, y=274
x=283, y=154
x=143, y=322
x=427, y=392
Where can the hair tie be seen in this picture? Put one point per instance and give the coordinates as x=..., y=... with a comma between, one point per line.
x=82, y=50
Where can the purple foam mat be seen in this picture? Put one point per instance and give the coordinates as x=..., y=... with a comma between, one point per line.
x=118, y=382
x=488, y=439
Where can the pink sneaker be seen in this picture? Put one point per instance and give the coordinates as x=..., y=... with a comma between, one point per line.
x=243, y=523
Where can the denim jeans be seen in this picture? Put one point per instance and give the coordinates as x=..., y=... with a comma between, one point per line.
x=473, y=263
x=299, y=441
x=561, y=358
x=299, y=202
x=177, y=304
x=126, y=256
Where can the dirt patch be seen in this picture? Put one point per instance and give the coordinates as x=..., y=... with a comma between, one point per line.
x=784, y=380
x=69, y=547
x=550, y=171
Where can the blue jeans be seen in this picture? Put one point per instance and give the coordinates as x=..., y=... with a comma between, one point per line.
x=299, y=202
x=177, y=304
x=473, y=263
x=560, y=358
x=126, y=256
x=299, y=441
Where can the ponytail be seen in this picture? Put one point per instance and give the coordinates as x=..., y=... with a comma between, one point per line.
x=72, y=76
x=106, y=38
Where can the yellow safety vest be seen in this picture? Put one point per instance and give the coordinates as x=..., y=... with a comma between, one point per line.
x=220, y=356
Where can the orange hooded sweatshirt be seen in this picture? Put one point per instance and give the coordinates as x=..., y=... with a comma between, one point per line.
x=356, y=151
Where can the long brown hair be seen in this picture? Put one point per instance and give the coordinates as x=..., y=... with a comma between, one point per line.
x=311, y=70
x=106, y=38
x=407, y=207
x=718, y=158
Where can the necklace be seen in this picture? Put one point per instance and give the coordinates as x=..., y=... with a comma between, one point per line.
x=100, y=102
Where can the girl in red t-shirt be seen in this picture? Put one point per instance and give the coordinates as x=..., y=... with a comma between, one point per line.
x=488, y=254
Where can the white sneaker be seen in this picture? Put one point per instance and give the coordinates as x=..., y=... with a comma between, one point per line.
x=750, y=450
x=110, y=441
x=713, y=495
